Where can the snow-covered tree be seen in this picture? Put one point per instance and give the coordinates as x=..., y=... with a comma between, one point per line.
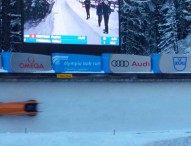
x=146, y=26
x=137, y=27
x=182, y=22
x=35, y=10
x=167, y=26
x=187, y=14
x=149, y=26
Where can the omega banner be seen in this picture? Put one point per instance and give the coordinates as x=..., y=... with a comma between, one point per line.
x=26, y=62
x=172, y=63
x=123, y=63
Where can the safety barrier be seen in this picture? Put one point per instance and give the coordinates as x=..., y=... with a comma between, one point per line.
x=13, y=62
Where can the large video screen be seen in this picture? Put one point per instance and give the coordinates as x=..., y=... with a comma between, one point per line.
x=77, y=37
x=82, y=22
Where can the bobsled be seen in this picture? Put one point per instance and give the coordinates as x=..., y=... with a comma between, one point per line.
x=19, y=108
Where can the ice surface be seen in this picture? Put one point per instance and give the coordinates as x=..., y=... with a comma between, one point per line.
x=157, y=138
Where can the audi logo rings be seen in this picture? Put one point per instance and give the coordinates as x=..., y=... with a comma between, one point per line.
x=120, y=63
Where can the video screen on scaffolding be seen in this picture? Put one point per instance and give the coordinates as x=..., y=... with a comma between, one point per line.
x=82, y=22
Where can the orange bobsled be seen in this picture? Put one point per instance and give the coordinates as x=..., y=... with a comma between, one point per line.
x=19, y=108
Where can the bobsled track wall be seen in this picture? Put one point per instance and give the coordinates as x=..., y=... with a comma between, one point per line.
x=99, y=106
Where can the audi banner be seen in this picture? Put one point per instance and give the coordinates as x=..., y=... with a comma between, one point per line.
x=122, y=63
x=173, y=63
x=75, y=63
x=26, y=62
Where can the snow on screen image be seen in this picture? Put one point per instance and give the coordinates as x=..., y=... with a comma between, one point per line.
x=94, y=22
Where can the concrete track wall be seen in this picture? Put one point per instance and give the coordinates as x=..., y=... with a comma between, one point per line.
x=99, y=106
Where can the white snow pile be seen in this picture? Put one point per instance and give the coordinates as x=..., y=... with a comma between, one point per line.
x=168, y=138
x=2, y=70
x=185, y=45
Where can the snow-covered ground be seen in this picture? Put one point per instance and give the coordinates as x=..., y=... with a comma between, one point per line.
x=68, y=17
x=158, y=138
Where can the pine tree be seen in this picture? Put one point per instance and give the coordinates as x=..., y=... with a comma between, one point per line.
x=167, y=27
x=137, y=27
x=187, y=14
x=180, y=18
x=156, y=20
x=35, y=10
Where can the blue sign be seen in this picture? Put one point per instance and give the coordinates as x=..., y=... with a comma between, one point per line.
x=59, y=39
x=106, y=62
x=0, y=62
x=109, y=40
x=75, y=63
x=6, y=57
x=155, y=63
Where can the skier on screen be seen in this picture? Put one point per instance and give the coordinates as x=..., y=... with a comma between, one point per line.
x=87, y=6
x=99, y=12
x=106, y=13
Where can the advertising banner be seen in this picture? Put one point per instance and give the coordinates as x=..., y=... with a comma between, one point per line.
x=175, y=63
x=0, y=63
x=155, y=63
x=76, y=63
x=123, y=63
x=25, y=62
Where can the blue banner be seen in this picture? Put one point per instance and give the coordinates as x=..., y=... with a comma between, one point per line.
x=75, y=63
x=6, y=57
x=155, y=63
x=0, y=62
x=106, y=62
